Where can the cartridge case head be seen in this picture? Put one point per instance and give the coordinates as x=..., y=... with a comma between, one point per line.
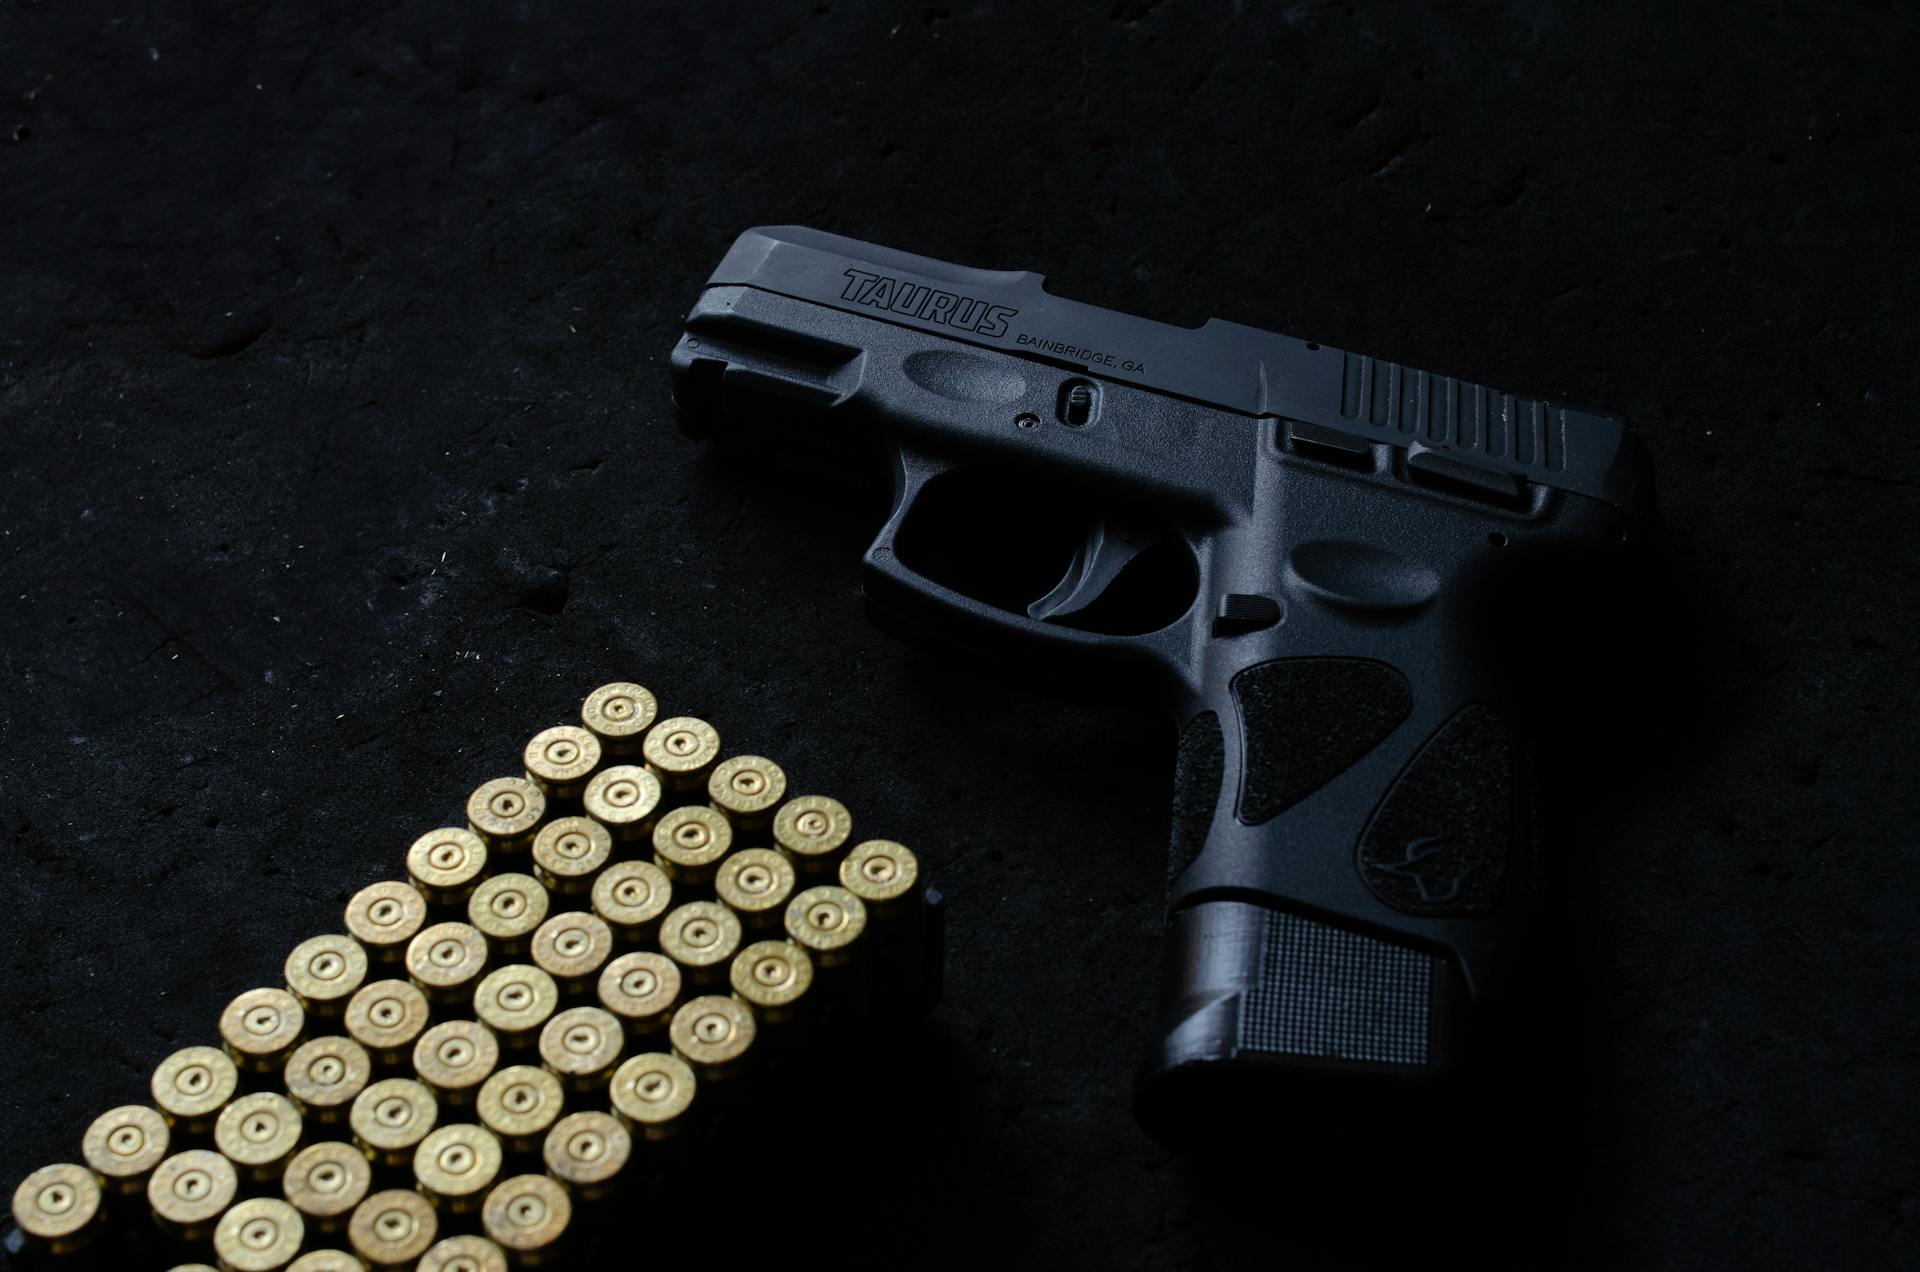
x=559, y=760
x=689, y=842
x=682, y=750
x=631, y=896
x=527, y=1215
x=519, y=1103
x=190, y=1190
x=515, y=1001
x=811, y=830
x=587, y=1151
x=393, y=1228
x=712, y=1034
x=58, y=1206
x=192, y=1085
x=581, y=1045
x=446, y=959
x=385, y=1018
x=880, y=872
x=325, y=1261
x=624, y=799
x=467, y=1253
x=826, y=921
x=261, y=1026
x=640, y=988
x=261, y=1234
x=755, y=884
x=391, y=1117
x=652, y=1093
x=123, y=1145
x=324, y=971
x=569, y=851
x=505, y=811
x=325, y=1181
x=456, y=1164
x=383, y=917
x=746, y=788
x=701, y=936
x=619, y=715
x=771, y=977
x=257, y=1133
x=455, y=1057
x=572, y=948
x=506, y=909
x=323, y=1075
x=445, y=864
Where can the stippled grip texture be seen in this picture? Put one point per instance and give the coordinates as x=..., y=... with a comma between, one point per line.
x=1306, y=720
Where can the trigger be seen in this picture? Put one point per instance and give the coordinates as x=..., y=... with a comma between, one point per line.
x=1108, y=549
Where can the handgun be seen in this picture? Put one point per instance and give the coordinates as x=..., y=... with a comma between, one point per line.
x=1330, y=567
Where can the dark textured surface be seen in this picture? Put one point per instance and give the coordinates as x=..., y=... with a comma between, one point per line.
x=338, y=458
x=1304, y=721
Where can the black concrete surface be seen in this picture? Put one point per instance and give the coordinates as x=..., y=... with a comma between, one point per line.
x=338, y=457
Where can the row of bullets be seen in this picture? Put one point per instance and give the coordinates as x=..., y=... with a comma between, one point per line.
x=619, y=947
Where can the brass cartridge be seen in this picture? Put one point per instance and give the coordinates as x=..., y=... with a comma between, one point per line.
x=324, y=971
x=468, y=1253
x=631, y=896
x=527, y=1215
x=325, y=1181
x=746, y=788
x=701, y=936
x=325, y=1261
x=391, y=1117
x=771, y=977
x=712, y=1034
x=519, y=1104
x=568, y=852
x=445, y=864
x=261, y=1234
x=192, y=1085
x=755, y=883
x=456, y=1164
x=572, y=948
x=393, y=1228
x=445, y=960
x=385, y=1018
x=257, y=1133
x=581, y=1045
x=454, y=1057
x=883, y=874
x=811, y=830
x=323, y=1075
x=123, y=1145
x=652, y=1094
x=641, y=989
x=619, y=715
x=561, y=759
x=58, y=1208
x=624, y=799
x=682, y=751
x=506, y=909
x=505, y=812
x=587, y=1151
x=190, y=1190
x=383, y=917
x=827, y=922
x=515, y=1001
x=260, y=1028
x=689, y=842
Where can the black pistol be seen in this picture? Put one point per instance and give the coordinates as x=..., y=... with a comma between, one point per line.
x=1325, y=564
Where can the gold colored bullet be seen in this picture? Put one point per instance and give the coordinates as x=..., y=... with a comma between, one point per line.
x=755, y=883
x=445, y=864
x=323, y=1075
x=701, y=936
x=619, y=715
x=581, y=1045
x=572, y=948
x=568, y=852
x=811, y=830
x=324, y=971
x=681, y=751
x=454, y=1058
x=192, y=1085
x=746, y=788
x=261, y=1234
x=826, y=921
x=325, y=1261
x=190, y=1190
x=393, y=1228
x=257, y=1133
x=689, y=842
x=640, y=988
x=506, y=909
x=624, y=799
x=456, y=1165
x=712, y=1034
x=505, y=812
x=631, y=896
x=383, y=917
x=561, y=759
x=771, y=977
x=391, y=1117
x=587, y=1151
x=515, y=1001
x=652, y=1094
x=123, y=1145
x=882, y=873
x=446, y=959
x=325, y=1181
x=260, y=1028
x=518, y=1104
x=527, y=1215
x=385, y=1018
x=468, y=1253
x=58, y=1207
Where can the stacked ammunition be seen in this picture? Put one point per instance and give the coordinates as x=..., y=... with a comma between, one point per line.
x=535, y=1010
